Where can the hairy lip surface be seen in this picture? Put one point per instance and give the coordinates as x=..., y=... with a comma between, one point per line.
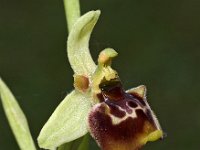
x=121, y=121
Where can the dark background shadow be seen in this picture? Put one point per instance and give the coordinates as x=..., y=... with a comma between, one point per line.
x=158, y=44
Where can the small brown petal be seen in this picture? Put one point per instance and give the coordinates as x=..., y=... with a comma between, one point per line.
x=81, y=83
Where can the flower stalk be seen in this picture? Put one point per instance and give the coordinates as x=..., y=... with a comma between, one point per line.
x=72, y=12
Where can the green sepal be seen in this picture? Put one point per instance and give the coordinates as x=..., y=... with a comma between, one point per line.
x=67, y=123
x=16, y=118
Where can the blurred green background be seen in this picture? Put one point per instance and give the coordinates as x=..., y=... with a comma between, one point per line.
x=158, y=44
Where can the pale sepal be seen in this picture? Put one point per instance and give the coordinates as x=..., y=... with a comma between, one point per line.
x=78, y=44
x=16, y=118
x=67, y=123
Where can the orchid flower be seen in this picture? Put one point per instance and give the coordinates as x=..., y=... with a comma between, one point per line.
x=117, y=119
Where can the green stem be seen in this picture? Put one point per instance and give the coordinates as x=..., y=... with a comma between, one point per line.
x=72, y=12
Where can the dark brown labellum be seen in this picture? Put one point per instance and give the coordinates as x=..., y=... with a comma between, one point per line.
x=122, y=121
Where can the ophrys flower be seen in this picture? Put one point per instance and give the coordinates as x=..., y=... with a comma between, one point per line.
x=117, y=119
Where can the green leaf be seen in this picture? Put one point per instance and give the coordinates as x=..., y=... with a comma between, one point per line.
x=78, y=44
x=78, y=144
x=16, y=118
x=67, y=123
x=84, y=143
x=66, y=146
